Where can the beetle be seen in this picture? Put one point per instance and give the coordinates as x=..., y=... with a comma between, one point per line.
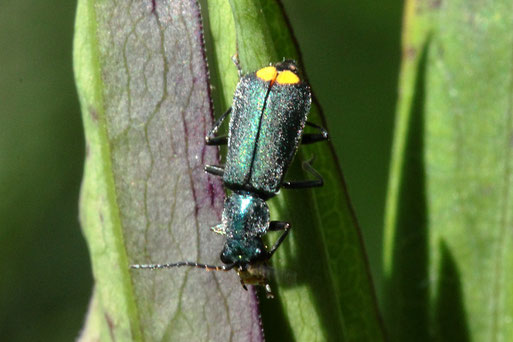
x=268, y=115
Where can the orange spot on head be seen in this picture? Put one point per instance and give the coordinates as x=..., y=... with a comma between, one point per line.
x=267, y=74
x=287, y=77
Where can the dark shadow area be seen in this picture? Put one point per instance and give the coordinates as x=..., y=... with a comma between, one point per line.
x=273, y=316
x=407, y=293
x=450, y=317
x=302, y=266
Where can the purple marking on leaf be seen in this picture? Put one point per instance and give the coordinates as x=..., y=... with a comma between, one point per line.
x=210, y=191
x=111, y=326
x=256, y=334
x=204, y=150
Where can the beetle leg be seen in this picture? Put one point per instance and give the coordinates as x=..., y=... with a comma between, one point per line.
x=278, y=225
x=310, y=183
x=212, y=138
x=219, y=229
x=216, y=170
x=310, y=138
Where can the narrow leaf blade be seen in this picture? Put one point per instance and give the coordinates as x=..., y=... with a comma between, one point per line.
x=146, y=106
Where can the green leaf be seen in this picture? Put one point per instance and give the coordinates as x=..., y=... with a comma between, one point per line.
x=323, y=282
x=142, y=78
x=448, y=248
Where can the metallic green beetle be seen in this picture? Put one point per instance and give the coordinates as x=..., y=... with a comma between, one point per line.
x=268, y=115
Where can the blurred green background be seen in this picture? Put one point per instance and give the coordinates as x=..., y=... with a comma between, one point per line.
x=351, y=53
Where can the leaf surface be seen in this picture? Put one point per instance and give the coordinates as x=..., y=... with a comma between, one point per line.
x=449, y=214
x=144, y=91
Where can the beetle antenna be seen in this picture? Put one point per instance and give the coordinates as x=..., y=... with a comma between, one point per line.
x=181, y=264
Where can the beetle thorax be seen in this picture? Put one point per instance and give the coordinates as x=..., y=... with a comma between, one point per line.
x=245, y=219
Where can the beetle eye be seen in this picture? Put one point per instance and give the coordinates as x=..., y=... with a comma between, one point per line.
x=224, y=259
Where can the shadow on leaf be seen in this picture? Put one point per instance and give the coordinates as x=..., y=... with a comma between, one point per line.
x=408, y=288
x=450, y=317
